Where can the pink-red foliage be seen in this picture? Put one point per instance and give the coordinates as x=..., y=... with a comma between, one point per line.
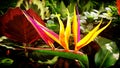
x=15, y=26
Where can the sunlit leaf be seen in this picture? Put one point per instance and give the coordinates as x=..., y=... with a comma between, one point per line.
x=70, y=7
x=63, y=9
x=108, y=54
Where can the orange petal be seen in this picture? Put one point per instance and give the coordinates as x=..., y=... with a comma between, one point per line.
x=62, y=33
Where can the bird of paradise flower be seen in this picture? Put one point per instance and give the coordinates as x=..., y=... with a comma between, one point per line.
x=64, y=33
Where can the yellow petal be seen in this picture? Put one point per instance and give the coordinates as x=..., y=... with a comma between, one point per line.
x=74, y=27
x=61, y=32
x=98, y=32
x=68, y=30
x=83, y=41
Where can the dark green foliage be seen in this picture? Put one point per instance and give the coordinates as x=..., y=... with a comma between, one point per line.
x=5, y=4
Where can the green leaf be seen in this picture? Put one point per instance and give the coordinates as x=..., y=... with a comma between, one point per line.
x=108, y=54
x=52, y=61
x=89, y=5
x=6, y=61
x=52, y=25
x=63, y=9
x=70, y=7
x=82, y=58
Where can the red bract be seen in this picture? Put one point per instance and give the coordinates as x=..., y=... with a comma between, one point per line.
x=15, y=26
x=118, y=6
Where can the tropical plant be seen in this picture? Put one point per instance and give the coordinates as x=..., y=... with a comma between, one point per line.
x=53, y=31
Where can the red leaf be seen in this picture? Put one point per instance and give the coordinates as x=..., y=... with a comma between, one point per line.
x=15, y=26
x=0, y=26
x=118, y=6
x=34, y=14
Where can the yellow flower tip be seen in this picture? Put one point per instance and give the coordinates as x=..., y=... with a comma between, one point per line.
x=68, y=12
x=91, y=36
x=58, y=15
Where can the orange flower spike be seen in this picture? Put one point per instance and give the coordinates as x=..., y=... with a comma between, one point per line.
x=64, y=33
x=61, y=32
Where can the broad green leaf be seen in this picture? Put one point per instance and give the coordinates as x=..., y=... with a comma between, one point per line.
x=82, y=58
x=108, y=53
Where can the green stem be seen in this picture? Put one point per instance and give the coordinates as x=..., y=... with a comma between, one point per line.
x=26, y=52
x=82, y=58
